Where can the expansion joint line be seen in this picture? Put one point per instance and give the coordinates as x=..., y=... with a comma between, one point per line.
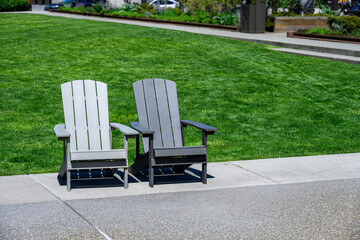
x=69, y=206
x=254, y=173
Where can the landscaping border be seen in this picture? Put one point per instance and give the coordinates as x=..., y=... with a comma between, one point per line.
x=332, y=38
x=223, y=27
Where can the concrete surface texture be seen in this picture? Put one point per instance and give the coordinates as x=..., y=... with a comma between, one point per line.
x=330, y=56
x=314, y=197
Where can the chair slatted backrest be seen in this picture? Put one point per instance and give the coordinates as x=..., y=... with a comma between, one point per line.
x=86, y=114
x=158, y=109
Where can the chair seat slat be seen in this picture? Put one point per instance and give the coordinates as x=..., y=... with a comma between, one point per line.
x=180, y=151
x=98, y=155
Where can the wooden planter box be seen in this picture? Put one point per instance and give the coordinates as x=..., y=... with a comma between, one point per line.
x=333, y=38
x=253, y=18
x=292, y=24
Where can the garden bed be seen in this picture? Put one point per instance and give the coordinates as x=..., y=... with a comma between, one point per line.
x=208, y=25
x=333, y=38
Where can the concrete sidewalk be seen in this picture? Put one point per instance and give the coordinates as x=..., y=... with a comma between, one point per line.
x=314, y=197
x=48, y=187
x=337, y=51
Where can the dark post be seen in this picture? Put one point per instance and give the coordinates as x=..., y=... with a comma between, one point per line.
x=253, y=17
x=334, y=5
x=275, y=4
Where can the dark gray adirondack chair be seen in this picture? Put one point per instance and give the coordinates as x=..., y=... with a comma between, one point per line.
x=86, y=134
x=162, y=131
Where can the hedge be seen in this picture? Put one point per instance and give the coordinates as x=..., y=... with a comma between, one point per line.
x=13, y=5
x=344, y=24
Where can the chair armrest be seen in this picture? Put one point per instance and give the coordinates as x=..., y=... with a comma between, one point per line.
x=143, y=130
x=205, y=128
x=127, y=131
x=61, y=132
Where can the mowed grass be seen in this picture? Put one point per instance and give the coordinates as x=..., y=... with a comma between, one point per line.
x=265, y=104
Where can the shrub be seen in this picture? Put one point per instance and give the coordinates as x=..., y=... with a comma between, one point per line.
x=200, y=16
x=143, y=8
x=326, y=10
x=167, y=12
x=211, y=7
x=98, y=8
x=13, y=5
x=285, y=14
x=344, y=24
x=225, y=19
x=129, y=8
x=321, y=31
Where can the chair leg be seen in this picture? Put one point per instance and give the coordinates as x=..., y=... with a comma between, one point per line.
x=204, y=173
x=126, y=182
x=68, y=164
x=151, y=176
x=68, y=180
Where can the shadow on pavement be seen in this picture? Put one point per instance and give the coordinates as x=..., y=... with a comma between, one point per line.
x=103, y=178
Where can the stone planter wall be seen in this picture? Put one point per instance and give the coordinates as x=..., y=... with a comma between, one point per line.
x=292, y=24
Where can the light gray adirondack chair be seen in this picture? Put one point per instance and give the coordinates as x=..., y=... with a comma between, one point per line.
x=86, y=134
x=162, y=131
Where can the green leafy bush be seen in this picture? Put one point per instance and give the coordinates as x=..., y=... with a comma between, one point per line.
x=326, y=10
x=344, y=24
x=168, y=12
x=321, y=31
x=13, y=5
x=269, y=23
x=324, y=31
x=143, y=8
x=129, y=8
x=200, y=16
x=211, y=7
x=98, y=8
x=225, y=19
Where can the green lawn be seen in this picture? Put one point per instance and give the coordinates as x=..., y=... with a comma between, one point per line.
x=265, y=104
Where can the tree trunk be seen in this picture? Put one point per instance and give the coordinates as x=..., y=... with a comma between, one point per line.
x=334, y=5
x=275, y=4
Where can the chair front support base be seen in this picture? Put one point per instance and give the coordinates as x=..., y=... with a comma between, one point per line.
x=68, y=165
x=150, y=161
x=179, y=165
